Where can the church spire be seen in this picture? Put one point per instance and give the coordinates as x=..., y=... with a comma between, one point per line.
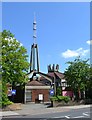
x=34, y=58
x=34, y=29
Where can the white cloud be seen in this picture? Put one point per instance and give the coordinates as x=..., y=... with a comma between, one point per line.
x=74, y=53
x=89, y=42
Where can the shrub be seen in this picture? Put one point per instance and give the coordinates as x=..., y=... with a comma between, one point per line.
x=54, y=98
x=5, y=100
x=67, y=99
x=60, y=98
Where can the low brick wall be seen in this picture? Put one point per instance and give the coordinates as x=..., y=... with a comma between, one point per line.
x=62, y=103
x=56, y=103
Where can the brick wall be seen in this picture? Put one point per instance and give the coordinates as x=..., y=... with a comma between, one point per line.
x=35, y=94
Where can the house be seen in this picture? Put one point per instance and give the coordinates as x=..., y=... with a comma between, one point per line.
x=37, y=89
x=36, y=92
x=58, y=80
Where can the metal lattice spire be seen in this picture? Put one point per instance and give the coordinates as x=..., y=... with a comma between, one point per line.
x=34, y=29
x=34, y=58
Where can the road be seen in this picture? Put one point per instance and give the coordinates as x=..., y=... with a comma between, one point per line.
x=79, y=113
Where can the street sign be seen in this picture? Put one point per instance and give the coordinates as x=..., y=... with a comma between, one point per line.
x=51, y=92
x=13, y=92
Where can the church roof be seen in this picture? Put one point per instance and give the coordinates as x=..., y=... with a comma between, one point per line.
x=60, y=75
x=35, y=83
x=54, y=74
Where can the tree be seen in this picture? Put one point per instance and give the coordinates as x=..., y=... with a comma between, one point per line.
x=58, y=91
x=77, y=76
x=89, y=86
x=90, y=79
x=14, y=61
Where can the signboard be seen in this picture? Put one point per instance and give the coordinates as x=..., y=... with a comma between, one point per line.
x=13, y=92
x=51, y=92
x=40, y=96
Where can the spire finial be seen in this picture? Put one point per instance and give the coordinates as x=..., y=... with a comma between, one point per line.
x=34, y=28
x=34, y=17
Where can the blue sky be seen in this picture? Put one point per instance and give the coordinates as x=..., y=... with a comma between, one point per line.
x=63, y=29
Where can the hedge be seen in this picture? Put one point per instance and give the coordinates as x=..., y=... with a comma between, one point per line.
x=60, y=98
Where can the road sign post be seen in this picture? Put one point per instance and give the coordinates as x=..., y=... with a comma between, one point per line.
x=13, y=94
x=51, y=92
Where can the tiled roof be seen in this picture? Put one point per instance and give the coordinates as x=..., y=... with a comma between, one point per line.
x=54, y=74
x=60, y=75
x=35, y=83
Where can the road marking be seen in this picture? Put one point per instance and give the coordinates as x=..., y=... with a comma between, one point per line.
x=78, y=117
x=67, y=117
x=59, y=117
x=86, y=114
x=8, y=113
x=63, y=116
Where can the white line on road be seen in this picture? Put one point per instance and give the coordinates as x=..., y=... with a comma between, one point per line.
x=59, y=117
x=67, y=117
x=62, y=116
x=86, y=114
x=8, y=113
x=78, y=117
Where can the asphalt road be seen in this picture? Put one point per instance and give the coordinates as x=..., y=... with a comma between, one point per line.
x=77, y=113
x=73, y=114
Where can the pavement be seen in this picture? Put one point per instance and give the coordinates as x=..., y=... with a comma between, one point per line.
x=35, y=109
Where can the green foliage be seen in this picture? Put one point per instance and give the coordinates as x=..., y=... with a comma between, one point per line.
x=77, y=74
x=58, y=90
x=64, y=98
x=54, y=98
x=14, y=59
x=0, y=94
x=60, y=98
x=5, y=100
x=90, y=78
x=14, y=63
